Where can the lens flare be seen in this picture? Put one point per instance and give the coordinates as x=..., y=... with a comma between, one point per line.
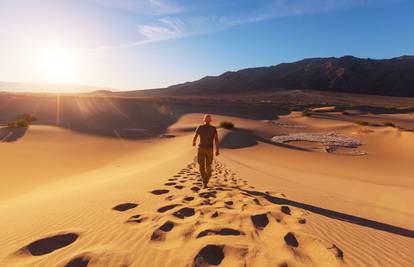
x=58, y=65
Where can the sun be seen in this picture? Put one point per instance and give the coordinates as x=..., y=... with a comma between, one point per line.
x=58, y=65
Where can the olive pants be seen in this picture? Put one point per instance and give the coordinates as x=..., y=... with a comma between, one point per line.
x=205, y=158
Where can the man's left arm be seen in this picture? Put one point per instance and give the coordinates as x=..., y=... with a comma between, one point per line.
x=216, y=141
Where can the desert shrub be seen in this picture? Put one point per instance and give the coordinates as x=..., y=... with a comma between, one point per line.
x=28, y=117
x=376, y=124
x=388, y=124
x=226, y=125
x=21, y=121
x=306, y=113
x=362, y=123
x=18, y=123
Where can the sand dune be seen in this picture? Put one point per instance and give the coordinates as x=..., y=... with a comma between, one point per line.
x=112, y=202
x=46, y=154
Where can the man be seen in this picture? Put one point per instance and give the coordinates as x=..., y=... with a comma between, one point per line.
x=208, y=135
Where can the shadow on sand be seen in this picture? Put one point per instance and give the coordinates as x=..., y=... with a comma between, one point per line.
x=241, y=138
x=270, y=142
x=335, y=214
x=127, y=118
x=237, y=138
x=11, y=134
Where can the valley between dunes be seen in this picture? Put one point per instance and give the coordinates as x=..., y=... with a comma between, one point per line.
x=72, y=199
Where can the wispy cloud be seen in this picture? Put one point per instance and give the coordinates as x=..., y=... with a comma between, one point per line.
x=170, y=22
x=174, y=27
x=178, y=26
x=164, y=29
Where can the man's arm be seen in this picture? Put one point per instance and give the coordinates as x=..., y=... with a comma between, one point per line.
x=216, y=141
x=195, y=137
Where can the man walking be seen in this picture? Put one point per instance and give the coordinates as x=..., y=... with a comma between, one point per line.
x=208, y=135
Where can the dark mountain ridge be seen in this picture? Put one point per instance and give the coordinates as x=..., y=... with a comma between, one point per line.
x=348, y=74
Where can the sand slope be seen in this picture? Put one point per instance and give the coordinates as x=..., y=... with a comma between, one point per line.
x=268, y=205
x=45, y=154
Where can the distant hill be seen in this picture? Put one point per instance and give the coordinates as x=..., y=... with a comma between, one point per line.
x=46, y=87
x=392, y=77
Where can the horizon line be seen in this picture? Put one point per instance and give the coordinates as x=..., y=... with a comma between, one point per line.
x=117, y=89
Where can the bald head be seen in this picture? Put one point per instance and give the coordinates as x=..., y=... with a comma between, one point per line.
x=207, y=118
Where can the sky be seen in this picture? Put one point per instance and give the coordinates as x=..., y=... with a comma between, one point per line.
x=140, y=44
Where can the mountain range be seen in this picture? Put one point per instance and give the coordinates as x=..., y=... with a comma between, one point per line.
x=348, y=74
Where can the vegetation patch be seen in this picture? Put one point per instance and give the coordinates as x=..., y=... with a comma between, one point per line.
x=22, y=121
x=382, y=124
x=388, y=124
x=306, y=113
x=362, y=123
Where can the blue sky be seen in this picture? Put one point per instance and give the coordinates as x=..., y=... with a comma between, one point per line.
x=136, y=44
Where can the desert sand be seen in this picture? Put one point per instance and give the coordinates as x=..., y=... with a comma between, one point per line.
x=73, y=199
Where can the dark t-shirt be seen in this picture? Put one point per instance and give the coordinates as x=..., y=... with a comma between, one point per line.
x=207, y=134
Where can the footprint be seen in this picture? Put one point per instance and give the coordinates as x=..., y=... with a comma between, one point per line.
x=82, y=261
x=169, y=198
x=160, y=191
x=50, y=244
x=179, y=187
x=222, y=189
x=171, y=183
x=159, y=234
x=337, y=251
x=223, y=231
x=285, y=210
x=167, y=226
x=301, y=220
x=215, y=214
x=184, y=212
x=230, y=203
x=291, y=240
x=209, y=255
x=207, y=202
x=208, y=194
x=168, y=207
x=188, y=199
x=257, y=202
x=135, y=219
x=260, y=221
x=125, y=206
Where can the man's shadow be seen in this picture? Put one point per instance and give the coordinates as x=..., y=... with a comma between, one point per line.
x=335, y=214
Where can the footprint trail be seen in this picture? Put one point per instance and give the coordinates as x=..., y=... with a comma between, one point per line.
x=226, y=224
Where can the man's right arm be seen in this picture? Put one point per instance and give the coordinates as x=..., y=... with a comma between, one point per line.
x=196, y=134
